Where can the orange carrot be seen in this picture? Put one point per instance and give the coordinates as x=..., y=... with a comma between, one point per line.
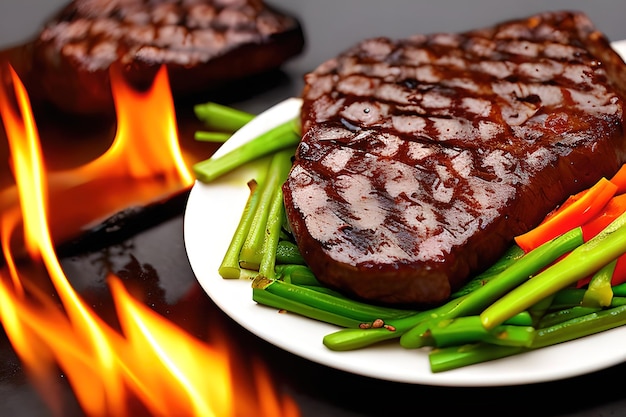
x=576, y=211
x=612, y=210
x=619, y=179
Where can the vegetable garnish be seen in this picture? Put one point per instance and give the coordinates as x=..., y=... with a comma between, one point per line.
x=281, y=137
x=509, y=278
x=565, y=280
x=260, y=240
x=588, y=323
x=222, y=118
x=362, y=313
x=229, y=267
x=619, y=179
x=223, y=121
x=216, y=137
x=599, y=292
x=582, y=261
x=576, y=211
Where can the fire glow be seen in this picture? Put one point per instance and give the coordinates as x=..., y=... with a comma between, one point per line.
x=149, y=360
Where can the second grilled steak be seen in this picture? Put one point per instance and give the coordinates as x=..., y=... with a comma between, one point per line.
x=422, y=158
x=203, y=43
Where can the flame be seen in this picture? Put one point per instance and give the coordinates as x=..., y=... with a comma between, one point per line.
x=148, y=115
x=143, y=161
x=148, y=359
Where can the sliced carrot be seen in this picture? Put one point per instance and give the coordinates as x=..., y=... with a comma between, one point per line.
x=582, y=208
x=612, y=210
x=619, y=179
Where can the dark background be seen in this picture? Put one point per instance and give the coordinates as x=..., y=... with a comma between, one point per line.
x=153, y=255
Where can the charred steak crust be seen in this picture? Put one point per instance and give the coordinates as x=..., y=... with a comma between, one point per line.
x=422, y=158
x=203, y=43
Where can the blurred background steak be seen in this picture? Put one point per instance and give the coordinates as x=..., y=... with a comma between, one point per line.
x=423, y=157
x=204, y=44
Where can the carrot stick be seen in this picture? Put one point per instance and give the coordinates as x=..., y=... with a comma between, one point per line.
x=612, y=210
x=579, y=209
x=619, y=179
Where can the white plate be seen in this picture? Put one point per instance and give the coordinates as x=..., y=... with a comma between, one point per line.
x=211, y=217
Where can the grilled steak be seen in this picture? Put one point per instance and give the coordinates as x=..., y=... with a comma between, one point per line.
x=422, y=158
x=204, y=43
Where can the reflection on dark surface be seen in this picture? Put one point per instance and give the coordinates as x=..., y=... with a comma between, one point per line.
x=154, y=265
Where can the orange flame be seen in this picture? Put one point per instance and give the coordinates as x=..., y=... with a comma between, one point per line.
x=143, y=161
x=143, y=119
x=150, y=359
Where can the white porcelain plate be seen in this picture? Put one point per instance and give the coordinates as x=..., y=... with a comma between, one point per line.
x=211, y=216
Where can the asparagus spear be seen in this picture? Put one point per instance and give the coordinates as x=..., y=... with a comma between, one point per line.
x=582, y=326
x=281, y=137
x=468, y=329
x=351, y=339
x=599, y=292
x=252, y=249
x=339, y=306
x=272, y=234
x=217, y=137
x=267, y=298
x=229, y=267
x=220, y=117
x=453, y=357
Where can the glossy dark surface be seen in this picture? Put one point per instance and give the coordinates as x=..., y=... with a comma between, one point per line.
x=151, y=257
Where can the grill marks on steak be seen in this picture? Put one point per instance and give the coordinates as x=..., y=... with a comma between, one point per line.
x=204, y=43
x=422, y=158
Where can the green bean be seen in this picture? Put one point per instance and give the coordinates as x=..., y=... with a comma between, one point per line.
x=220, y=117
x=281, y=137
x=448, y=358
x=582, y=326
x=599, y=292
x=362, y=312
x=272, y=235
x=216, y=137
x=229, y=267
x=288, y=253
x=468, y=329
x=512, y=255
x=251, y=252
x=559, y=316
